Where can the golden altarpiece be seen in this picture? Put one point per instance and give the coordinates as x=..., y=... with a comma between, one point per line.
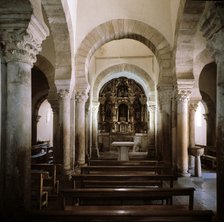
x=122, y=114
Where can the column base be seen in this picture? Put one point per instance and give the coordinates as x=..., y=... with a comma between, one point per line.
x=182, y=173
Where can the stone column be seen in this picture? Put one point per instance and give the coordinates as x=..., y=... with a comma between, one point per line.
x=81, y=98
x=35, y=120
x=20, y=49
x=72, y=125
x=213, y=30
x=95, y=150
x=56, y=132
x=174, y=132
x=3, y=102
x=182, y=131
x=152, y=109
x=165, y=101
x=192, y=109
x=64, y=110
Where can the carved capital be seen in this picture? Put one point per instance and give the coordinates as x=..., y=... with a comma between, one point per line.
x=23, y=44
x=152, y=108
x=193, y=105
x=183, y=95
x=63, y=93
x=95, y=107
x=81, y=96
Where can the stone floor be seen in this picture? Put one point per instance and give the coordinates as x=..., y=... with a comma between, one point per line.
x=205, y=190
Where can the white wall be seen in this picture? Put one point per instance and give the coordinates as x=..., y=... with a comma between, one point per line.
x=200, y=125
x=124, y=51
x=45, y=124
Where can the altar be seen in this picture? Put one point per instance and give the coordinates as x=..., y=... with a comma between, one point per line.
x=123, y=148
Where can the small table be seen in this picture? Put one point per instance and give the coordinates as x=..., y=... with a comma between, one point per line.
x=123, y=149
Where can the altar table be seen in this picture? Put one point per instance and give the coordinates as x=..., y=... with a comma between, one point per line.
x=123, y=148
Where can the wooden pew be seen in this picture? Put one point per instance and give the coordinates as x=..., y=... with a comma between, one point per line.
x=125, y=163
x=52, y=182
x=120, y=180
x=37, y=189
x=162, y=213
x=125, y=169
x=120, y=196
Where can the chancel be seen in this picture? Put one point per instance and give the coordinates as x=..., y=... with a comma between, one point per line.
x=121, y=99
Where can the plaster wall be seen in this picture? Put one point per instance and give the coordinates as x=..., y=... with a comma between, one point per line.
x=91, y=14
x=174, y=6
x=123, y=51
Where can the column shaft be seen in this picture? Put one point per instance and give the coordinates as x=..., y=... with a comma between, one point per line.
x=80, y=130
x=18, y=136
x=182, y=135
x=95, y=150
x=65, y=129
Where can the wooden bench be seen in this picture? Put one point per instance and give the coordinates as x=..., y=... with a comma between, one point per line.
x=120, y=180
x=37, y=189
x=125, y=163
x=123, y=196
x=209, y=161
x=52, y=181
x=126, y=169
x=162, y=213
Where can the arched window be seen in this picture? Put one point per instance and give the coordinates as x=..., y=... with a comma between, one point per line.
x=200, y=125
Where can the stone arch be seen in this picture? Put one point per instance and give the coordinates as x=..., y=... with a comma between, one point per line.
x=48, y=70
x=60, y=33
x=203, y=58
x=120, y=29
x=144, y=76
x=189, y=16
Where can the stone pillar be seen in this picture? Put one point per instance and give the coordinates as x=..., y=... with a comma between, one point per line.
x=20, y=49
x=72, y=133
x=35, y=120
x=174, y=132
x=56, y=132
x=151, y=132
x=192, y=109
x=64, y=110
x=165, y=101
x=3, y=104
x=81, y=98
x=212, y=27
x=182, y=131
x=95, y=150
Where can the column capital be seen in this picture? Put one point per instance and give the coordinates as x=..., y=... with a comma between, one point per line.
x=193, y=105
x=63, y=93
x=81, y=96
x=183, y=95
x=23, y=44
x=183, y=89
x=152, y=108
